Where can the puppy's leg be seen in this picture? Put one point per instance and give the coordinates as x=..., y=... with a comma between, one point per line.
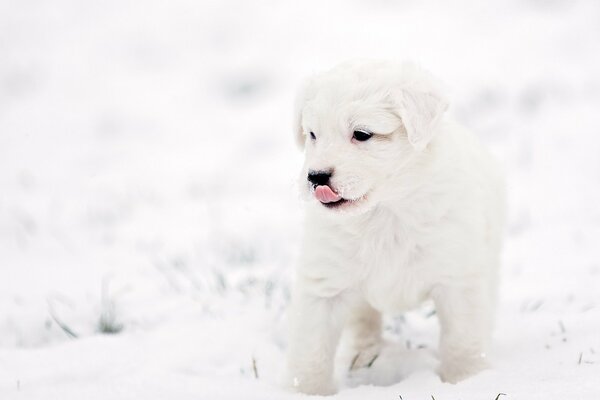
x=316, y=325
x=465, y=315
x=364, y=326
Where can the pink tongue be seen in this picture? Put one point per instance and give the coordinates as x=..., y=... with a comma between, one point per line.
x=325, y=195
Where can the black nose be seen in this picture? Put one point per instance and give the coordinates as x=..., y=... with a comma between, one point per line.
x=318, y=178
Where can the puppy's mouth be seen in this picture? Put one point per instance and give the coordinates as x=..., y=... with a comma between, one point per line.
x=330, y=199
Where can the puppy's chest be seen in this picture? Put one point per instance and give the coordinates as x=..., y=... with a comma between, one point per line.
x=395, y=276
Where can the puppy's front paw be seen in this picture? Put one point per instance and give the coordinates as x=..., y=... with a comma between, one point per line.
x=458, y=369
x=313, y=386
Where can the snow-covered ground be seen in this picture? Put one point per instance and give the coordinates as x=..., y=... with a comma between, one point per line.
x=149, y=219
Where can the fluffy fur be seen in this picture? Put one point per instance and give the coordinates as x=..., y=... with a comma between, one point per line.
x=422, y=219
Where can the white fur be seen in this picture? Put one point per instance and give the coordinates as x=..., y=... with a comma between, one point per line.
x=426, y=223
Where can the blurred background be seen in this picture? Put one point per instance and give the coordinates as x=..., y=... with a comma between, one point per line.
x=149, y=218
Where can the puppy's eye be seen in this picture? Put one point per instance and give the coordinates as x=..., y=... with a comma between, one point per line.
x=312, y=136
x=361, y=136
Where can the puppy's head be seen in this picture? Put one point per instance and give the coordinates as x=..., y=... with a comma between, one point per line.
x=361, y=124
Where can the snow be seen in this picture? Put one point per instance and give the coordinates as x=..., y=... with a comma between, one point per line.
x=147, y=175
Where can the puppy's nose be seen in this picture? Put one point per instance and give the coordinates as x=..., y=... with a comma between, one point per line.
x=318, y=178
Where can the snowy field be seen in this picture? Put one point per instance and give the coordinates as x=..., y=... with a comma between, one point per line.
x=149, y=219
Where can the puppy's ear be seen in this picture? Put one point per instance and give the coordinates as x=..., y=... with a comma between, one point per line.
x=304, y=93
x=421, y=106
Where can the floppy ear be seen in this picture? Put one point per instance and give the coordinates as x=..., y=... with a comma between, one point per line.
x=421, y=108
x=303, y=95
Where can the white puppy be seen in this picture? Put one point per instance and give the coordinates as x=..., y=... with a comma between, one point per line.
x=405, y=206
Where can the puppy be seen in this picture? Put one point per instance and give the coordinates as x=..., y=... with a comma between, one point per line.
x=404, y=206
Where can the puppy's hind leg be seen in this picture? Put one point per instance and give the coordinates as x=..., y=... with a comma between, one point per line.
x=364, y=329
